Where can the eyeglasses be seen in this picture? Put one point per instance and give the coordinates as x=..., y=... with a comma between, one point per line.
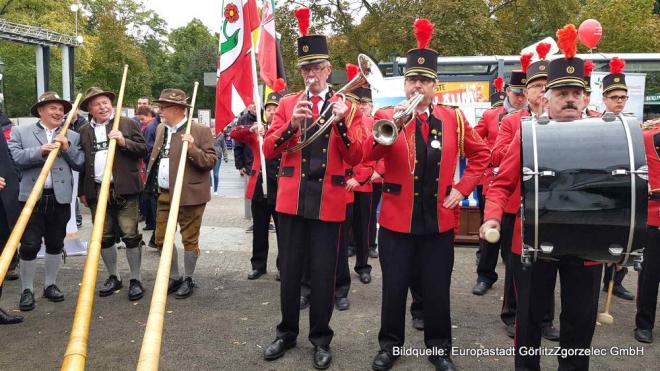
x=539, y=85
x=618, y=98
x=312, y=68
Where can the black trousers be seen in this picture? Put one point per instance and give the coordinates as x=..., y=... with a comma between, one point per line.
x=319, y=241
x=4, y=233
x=261, y=214
x=400, y=255
x=343, y=279
x=375, y=200
x=647, y=284
x=508, y=313
x=580, y=286
x=361, y=224
x=48, y=223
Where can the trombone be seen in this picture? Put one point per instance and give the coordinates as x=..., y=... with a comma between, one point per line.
x=369, y=75
x=386, y=131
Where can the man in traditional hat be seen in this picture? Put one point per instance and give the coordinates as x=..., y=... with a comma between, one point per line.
x=10, y=176
x=588, y=68
x=262, y=207
x=417, y=217
x=310, y=198
x=579, y=278
x=196, y=191
x=536, y=75
x=30, y=146
x=125, y=187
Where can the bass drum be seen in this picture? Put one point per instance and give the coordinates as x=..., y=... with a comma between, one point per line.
x=584, y=189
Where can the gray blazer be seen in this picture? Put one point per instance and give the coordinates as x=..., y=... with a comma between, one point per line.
x=25, y=146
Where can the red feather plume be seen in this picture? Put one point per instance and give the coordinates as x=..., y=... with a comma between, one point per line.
x=423, y=32
x=499, y=84
x=567, y=40
x=279, y=85
x=303, y=20
x=616, y=65
x=525, y=60
x=588, y=67
x=351, y=71
x=542, y=50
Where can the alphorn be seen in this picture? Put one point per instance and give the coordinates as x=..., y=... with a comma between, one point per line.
x=35, y=194
x=76, y=351
x=153, y=333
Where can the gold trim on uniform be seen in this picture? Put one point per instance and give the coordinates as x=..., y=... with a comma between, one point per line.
x=565, y=80
x=615, y=87
x=313, y=56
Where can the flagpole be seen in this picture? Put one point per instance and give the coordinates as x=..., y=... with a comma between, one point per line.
x=257, y=105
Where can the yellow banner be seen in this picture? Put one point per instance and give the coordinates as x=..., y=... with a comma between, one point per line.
x=464, y=92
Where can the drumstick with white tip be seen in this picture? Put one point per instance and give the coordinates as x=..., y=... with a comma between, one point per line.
x=605, y=317
x=492, y=235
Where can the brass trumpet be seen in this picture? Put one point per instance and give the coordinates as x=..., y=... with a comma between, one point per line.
x=386, y=131
x=369, y=75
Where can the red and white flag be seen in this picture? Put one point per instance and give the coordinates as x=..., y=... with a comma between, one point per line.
x=234, y=89
x=268, y=46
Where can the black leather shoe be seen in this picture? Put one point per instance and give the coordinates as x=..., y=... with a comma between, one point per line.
x=322, y=357
x=644, y=335
x=53, y=293
x=111, y=285
x=365, y=277
x=174, y=285
x=550, y=333
x=277, y=348
x=254, y=274
x=304, y=302
x=8, y=319
x=186, y=288
x=481, y=288
x=511, y=330
x=443, y=363
x=135, y=290
x=12, y=274
x=621, y=292
x=418, y=323
x=27, y=301
x=383, y=361
x=342, y=303
x=373, y=252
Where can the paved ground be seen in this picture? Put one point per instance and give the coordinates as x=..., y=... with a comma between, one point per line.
x=229, y=320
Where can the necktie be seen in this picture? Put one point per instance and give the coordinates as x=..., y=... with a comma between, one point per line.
x=315, y=99
x=423, y=118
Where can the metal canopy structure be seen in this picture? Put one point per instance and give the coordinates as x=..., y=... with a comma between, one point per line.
x=43, y=39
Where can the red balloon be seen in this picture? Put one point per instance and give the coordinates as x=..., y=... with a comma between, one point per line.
x=590, y=32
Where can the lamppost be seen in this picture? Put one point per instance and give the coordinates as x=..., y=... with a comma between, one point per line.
x=75, y=8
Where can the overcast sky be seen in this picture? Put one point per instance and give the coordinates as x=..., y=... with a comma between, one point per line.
x=178, y=14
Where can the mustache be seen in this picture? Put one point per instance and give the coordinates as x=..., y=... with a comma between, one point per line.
x=569, y=106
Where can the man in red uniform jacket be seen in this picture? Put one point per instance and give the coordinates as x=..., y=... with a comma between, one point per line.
x=417, y=215
x=311, y=202
x=579, y=279
x=649, y=277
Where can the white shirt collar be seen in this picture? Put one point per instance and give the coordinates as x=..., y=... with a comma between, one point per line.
x=323, y=93
x=178, y=126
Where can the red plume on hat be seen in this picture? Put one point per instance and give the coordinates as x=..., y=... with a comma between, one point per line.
x=567, y=40
x=499, y=84
x=423, y=32
x=588, y=67
x=616, y=65
x=542, y=50
x=279, y=85
x=525, y=60
x=303, y=20
x=351, y=71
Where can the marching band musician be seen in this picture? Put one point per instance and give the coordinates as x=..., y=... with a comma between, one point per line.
x=30, y=145
x=536, y=76
x=579, y=278
x=262, y=208
x=196, y=191
x=649, y=277
x=588, y=68
x=10, y=176
x=310, y=198
x=125, y=188
x=615, y=96
x=417, y=215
